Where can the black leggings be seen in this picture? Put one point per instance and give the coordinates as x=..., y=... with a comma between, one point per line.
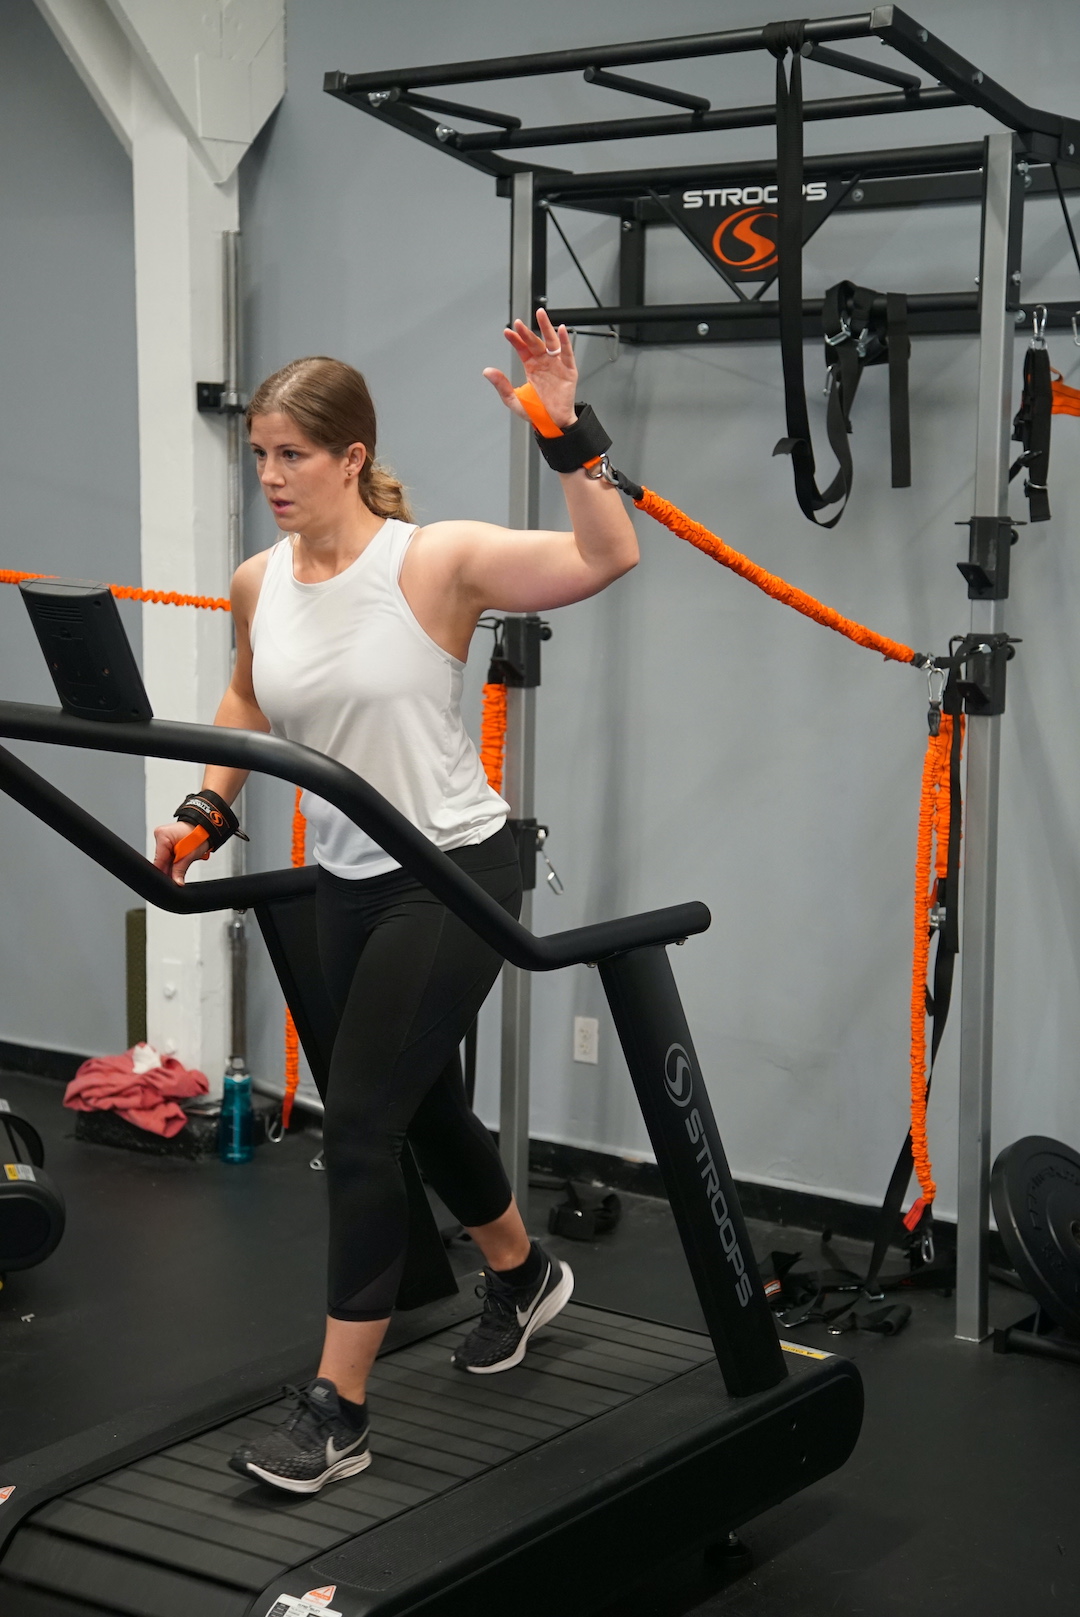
x=408, y=979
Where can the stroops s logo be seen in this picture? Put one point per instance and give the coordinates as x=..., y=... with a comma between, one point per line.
x=737, y=224
x=678, y=1075
x=679, y=1084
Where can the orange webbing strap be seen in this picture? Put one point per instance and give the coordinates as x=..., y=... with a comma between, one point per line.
x=686, y=528
x=292, y=1042
x=931, y=865
x=493, y=734
x=536, y=411
x=1066, y=399
x=129, y=592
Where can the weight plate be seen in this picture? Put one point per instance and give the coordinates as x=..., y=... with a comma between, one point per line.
x=1035, y=1191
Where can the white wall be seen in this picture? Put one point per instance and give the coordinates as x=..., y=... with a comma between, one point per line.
x=69, y=475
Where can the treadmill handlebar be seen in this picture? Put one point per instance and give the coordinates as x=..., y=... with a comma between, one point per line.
x=301, y=766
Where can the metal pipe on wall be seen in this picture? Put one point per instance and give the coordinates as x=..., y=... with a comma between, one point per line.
x=236, y=927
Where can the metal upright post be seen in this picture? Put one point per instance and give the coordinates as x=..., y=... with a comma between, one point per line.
x=999, y=298
x=230, y=403
x=519, y=767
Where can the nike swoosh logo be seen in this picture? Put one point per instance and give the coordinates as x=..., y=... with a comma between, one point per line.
x=334, y=1454
x=523, y=1318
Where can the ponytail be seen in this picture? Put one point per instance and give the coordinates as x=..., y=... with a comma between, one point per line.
x=382, y=493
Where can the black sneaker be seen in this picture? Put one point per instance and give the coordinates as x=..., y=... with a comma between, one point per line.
x=314, y=1446
x=511, y=1315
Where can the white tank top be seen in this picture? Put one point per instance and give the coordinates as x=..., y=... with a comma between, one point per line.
x=344, y=667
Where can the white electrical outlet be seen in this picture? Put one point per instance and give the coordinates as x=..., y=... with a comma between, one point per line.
x=587, y=1039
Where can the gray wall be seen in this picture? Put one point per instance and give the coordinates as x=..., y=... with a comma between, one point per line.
x=696, y=740
x=69, y=472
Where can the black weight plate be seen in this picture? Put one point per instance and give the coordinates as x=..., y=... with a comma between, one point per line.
x=1035, y=1191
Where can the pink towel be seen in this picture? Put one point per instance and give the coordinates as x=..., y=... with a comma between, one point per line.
x=141, y=1085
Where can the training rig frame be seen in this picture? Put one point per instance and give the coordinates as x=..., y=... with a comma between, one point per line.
x=1037, y=151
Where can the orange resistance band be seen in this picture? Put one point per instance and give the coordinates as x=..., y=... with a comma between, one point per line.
x=1066, y=399
x=493, y=734
x=931, y=866
x=686, y=528
x=128, y=592
x=292, y=1042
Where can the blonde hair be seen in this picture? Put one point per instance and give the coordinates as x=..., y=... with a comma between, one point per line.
x=331, y=404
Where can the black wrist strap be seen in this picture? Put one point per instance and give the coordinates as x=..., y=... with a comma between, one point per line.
x=213, y=814
x=577, y=446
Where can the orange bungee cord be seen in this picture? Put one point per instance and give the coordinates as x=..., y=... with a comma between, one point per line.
x=931, y=869
x=711, y=544
x=130, y=592
x=292, y=1041
x=934, y=808
x=493, y=734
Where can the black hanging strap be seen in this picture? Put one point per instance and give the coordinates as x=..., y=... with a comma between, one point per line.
x=854, y=335
x=780, y=38
x=898, y=342
x=1031, y=428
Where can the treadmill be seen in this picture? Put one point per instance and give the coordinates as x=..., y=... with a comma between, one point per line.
x=619, y=1442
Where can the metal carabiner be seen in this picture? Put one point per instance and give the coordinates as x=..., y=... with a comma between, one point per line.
x=933, y=673
x=840, y=336
x=275, y=1129
x=552, y=878
x=1076, y=334
x=1038, y=317
x=926, y=1246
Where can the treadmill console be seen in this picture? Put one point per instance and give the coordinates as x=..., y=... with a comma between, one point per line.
x=89, y=655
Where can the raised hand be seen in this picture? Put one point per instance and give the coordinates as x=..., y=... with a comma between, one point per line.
x=548, y=358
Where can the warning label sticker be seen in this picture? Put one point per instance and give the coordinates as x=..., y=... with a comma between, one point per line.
x=806, y=1353
x=19, y=1170
x=6, y=1493
x=313, y=1604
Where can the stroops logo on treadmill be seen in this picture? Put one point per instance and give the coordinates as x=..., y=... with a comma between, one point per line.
x=679, y=1084
x=678, y=1075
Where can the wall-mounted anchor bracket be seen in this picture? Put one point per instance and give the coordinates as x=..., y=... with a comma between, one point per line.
x=987, y=567
x=517, y=650
x=982, y=658
x=214, y=398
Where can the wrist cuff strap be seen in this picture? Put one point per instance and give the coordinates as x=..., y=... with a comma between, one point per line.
x=572, y=449
x=213, y=815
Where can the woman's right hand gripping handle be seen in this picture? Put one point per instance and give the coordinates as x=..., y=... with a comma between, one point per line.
x=177, y=847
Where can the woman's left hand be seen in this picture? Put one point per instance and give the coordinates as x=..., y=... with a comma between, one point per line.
x=549, y=364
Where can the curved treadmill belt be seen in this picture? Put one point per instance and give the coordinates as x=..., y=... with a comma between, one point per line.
x=179, y=1534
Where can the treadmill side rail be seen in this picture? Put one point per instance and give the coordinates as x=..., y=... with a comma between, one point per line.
x=678, y=1114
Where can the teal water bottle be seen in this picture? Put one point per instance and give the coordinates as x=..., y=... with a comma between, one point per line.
x=235, y=1142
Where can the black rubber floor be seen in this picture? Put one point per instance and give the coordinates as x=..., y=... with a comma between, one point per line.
x=961, y=1499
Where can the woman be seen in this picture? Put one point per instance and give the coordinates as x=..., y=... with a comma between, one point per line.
x=351, y=637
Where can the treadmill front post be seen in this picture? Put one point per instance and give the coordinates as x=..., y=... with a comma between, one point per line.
x=674, y=1101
